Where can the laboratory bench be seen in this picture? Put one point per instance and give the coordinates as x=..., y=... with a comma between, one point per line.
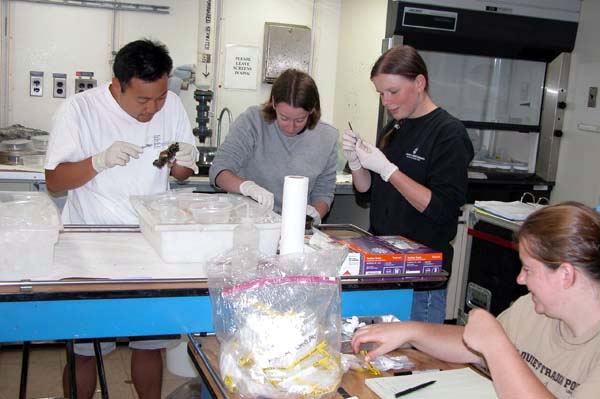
x=202, y=184
x=101, y=293
x=503, y=188
x=349, y=207
x=75, y=308
x=120, y=275
x=204, y=352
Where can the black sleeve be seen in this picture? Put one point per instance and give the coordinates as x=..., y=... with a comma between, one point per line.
x=448, y=176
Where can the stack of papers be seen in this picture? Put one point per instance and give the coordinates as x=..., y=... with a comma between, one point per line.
x=461, y=383
x=515, y=211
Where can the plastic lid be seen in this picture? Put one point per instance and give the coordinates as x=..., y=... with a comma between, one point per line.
x=215, y=206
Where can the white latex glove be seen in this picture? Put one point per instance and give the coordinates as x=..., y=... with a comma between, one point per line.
x=119, y=153
x=187, y=156
x=312, y=211
x=257, y=193
x=349, y=140
x=373, y=159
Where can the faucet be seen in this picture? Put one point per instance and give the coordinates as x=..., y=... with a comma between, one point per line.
x=219, y=120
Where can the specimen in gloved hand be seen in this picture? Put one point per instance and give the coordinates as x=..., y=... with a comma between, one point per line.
x=166, y=156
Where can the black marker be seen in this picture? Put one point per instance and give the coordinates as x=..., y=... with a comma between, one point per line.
x=410, y=372
x=413, y=389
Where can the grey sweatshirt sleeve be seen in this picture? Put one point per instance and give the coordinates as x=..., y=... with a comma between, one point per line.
x=239, y=144
x=324, y=187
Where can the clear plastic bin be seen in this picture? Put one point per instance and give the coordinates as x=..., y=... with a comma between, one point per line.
x=194, y=227
x=211, y=212
x=40, y=143
x=29, y=228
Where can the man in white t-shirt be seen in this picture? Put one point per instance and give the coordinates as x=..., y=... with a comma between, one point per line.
x=101, y=150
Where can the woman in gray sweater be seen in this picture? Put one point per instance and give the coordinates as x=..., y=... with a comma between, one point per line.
x=282, y=137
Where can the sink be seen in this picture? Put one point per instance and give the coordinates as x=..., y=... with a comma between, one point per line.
x=202, y=168
x=206, y=156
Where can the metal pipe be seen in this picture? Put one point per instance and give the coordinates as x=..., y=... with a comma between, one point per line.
x=105, y=5
x=219, y=120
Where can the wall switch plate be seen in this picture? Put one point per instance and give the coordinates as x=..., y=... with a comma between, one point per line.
x=593, y=93
x=36, y=83
x=59, y=86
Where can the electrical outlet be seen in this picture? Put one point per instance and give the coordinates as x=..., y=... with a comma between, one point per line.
x=36, y=83
x=84, y=81
x=59, y=87
x=83, y=84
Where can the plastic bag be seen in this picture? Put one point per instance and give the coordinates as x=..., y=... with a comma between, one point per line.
x=278, y=323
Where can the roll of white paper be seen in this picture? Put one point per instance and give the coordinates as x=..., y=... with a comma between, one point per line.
x=293, y=214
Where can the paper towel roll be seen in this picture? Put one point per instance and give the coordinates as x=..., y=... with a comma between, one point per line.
x=293, y=214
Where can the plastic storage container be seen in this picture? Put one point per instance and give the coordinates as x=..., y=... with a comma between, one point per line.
x=245, y=234
x=40, y=143
x=172, y=225
x=29, y=226
x=33, y=161
x=211, y=211
x=16, y=145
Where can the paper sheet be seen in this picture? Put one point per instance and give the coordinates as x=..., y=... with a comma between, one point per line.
x=515, y=210
x=461, y=383
x=112, y=256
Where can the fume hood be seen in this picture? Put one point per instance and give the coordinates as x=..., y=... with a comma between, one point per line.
x=502, y=68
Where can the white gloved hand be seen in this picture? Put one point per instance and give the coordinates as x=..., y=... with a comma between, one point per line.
x=119, y=153
x=373, y=159
x=349, y=140
x=256, y=192
x=187, y=156
x=312, y=212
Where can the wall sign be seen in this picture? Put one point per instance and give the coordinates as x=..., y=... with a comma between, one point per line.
x=241, y=67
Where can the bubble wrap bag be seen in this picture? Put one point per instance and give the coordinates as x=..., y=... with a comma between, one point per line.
x=278, y=322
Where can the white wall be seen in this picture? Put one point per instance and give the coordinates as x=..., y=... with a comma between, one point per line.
x=578, y=175
x=362, y=30
x=242, y=23
x=51, y=39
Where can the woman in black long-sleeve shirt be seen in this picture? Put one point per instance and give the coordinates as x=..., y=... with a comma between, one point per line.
x=418, y=175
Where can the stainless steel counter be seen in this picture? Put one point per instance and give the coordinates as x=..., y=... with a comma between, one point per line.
x=202, y=184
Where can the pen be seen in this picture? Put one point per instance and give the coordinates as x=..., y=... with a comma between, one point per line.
x=410, y=372
x=413, y=389
x=344, y=394
x=359, y=139
x=356, y=134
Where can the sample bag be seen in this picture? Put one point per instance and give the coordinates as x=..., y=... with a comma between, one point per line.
x=278, y=322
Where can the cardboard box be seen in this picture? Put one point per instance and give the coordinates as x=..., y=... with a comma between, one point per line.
x=394, y=255
x=351, y=265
